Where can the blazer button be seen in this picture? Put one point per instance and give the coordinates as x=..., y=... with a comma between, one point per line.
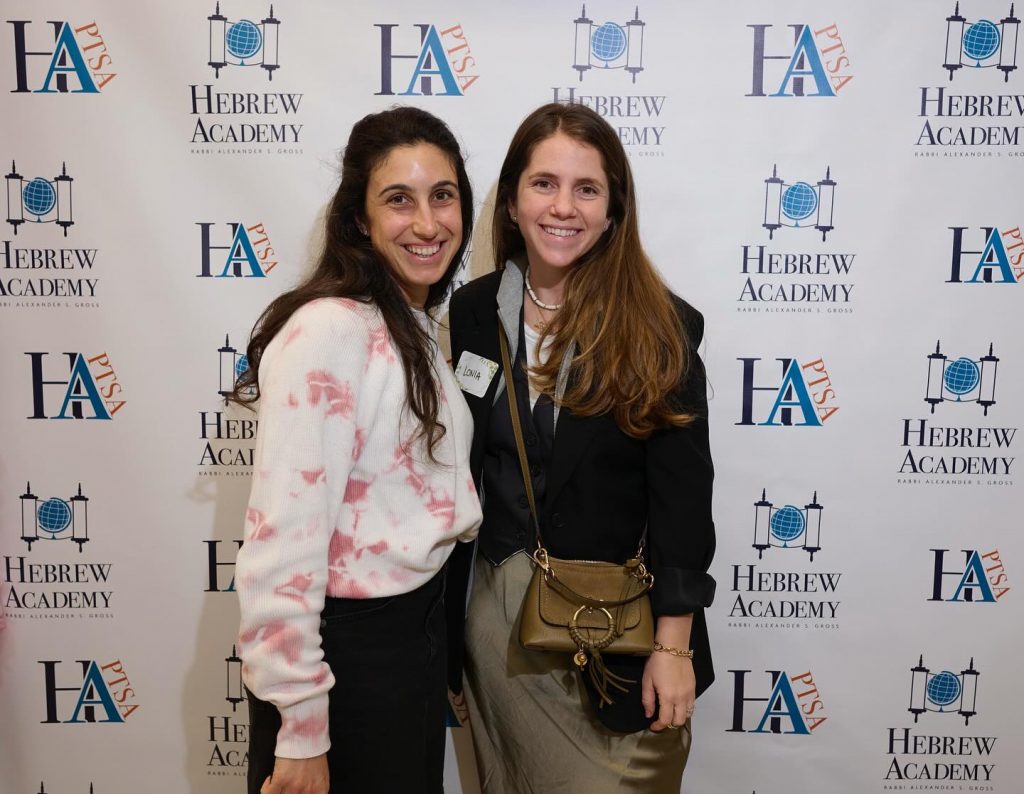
x=557, y=520
x=535, y=469
x=531, y=440
x=524, y=502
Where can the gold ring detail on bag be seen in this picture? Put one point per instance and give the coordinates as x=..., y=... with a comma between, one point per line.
x=585, y=643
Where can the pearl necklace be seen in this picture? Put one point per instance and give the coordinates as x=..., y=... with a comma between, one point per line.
x=551, y=307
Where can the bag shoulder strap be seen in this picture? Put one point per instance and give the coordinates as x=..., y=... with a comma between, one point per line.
x=517, y=429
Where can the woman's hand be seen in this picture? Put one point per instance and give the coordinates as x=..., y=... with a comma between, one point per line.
x=669, y=682
x=459, y=707
x=298, y=776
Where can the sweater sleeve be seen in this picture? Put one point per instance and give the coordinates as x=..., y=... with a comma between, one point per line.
x=310, y=378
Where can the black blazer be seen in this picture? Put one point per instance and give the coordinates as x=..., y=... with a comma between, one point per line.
x=603, y=486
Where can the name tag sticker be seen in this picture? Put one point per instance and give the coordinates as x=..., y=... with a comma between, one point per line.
x=474, y=373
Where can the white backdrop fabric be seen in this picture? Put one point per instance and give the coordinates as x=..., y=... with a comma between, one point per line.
x=831, y=183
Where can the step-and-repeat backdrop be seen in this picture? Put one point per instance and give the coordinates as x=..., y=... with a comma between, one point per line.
x=835, y=185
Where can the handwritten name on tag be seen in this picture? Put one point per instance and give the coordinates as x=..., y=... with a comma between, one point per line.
x=474, y=373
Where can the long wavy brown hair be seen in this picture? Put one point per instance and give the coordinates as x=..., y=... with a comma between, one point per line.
x=350, y=267
x=632, y=346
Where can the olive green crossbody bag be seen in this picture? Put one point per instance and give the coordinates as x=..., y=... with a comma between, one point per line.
x=582, y=607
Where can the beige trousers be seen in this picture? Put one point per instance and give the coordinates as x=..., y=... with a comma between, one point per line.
x=533, y=730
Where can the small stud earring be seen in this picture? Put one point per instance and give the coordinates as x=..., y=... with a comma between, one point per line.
x=515, y=219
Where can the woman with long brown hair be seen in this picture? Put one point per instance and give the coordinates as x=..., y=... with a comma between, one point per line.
x=361, y=483
x=610, y=394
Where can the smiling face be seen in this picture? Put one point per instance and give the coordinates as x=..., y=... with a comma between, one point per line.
x=414, y=216
x=561, y=202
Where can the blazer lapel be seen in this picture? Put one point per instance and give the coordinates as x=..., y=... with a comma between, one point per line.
x=573, y=435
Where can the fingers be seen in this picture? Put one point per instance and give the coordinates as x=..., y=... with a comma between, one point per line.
x=647, y=694
x=267, y=787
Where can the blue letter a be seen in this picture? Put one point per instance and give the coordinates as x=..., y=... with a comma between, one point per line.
x=782, y=703
x=66, y=45
x=433, y=50
x=806, y=52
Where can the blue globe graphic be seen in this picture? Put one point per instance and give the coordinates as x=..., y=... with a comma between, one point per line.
x=961, y=376
x=981, y=40
x=943, y=688
x=787, y=523
x=799, y=201
x=241, y=366
x=244, y=39
x=54, y=515
x=609, y=42
x=39, y=196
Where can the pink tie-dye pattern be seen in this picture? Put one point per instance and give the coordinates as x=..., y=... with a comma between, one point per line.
x=357, y=448
x=339, y=396
x=442, y=506
x=312, y=476
x=294, y=334
x=356, y=490
x=379, y=344
x=295, y=588
x=311, y=726
x=261, y=529
x=276, y=638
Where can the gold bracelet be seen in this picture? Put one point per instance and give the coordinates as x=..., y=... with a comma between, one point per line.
x=687, y=654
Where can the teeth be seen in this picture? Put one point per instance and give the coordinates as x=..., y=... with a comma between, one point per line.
x=561, y=232
x=423, y=250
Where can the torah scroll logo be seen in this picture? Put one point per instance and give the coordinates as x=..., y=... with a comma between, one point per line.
x=982, y=44
x=799, y=205
x=244, y=42
x=39, y=200
x=609, y=45
x=944, y=692
x=961, y=380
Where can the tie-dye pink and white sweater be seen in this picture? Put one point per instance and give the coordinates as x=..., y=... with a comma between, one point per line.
x=343, y=503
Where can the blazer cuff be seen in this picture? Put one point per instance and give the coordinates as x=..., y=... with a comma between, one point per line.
x=678, y=591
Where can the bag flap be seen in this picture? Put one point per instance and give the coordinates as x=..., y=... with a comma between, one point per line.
x=606, y=581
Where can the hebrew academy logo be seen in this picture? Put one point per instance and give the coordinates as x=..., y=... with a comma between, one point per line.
x=962, y=380
x=943, y=692
x=787, y=527
x=981, y=44
x=244, y=43
x=973, y=451
x=55, y=518
x=39, y=200
x=940, y=698
x=228, y=433
x=787, y=281
x=609, y=45
x=227, y=732
x=799, y=203
x=46, y=582
x=800, y=597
